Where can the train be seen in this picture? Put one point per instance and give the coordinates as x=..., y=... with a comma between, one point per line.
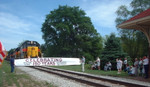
x=28, y=49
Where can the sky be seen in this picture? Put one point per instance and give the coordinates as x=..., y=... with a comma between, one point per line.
x=22, y=19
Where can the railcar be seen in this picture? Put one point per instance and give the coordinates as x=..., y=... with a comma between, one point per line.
x=28, y=49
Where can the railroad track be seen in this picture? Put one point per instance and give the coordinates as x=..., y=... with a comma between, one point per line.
x=88, y=79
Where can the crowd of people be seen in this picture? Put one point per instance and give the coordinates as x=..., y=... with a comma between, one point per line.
x=139, y=68
x=97, y=63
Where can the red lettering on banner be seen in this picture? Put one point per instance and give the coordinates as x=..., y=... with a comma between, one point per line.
x=60, y=60
x=37, y=60
x=30, y=59
x=48, y=59
x=43, y=63
x=50, y=63
x=51, y=59
x=41, y=60
x=36, y=63
x=27, y=60
x=45, y=60
x=53, y=63
x=55, y=60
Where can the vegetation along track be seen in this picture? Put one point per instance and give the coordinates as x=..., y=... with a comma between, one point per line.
x=87, y=79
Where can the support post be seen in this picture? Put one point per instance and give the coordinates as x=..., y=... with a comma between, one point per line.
x=149, y=60
x=146, y=31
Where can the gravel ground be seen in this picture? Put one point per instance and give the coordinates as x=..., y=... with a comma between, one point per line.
x=53, y=79
x=64, y=82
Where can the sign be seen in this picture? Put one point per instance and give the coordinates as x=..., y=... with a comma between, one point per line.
x=56, y=61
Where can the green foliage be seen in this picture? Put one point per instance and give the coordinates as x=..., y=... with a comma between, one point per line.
x=130, y=61
x=112, y=51
x=69, y=33
x=139, y=6
x=133, y=42
x=43, y=48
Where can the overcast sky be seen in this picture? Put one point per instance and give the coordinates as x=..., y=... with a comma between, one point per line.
x=22, y=19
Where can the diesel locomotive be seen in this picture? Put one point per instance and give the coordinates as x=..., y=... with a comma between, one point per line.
x=28, y=49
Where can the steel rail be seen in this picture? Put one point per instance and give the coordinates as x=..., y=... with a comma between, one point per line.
x=128, y=84
x=73, y=78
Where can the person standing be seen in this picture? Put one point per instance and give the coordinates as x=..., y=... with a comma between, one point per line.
x=136, y=64
x=140, y=66
x=146, y=66
x=83, y=62
x=119, y=65
x=98, y=63
x=125, y=64
x=12, y=64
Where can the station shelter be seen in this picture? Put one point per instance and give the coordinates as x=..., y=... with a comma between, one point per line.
x=139, y=22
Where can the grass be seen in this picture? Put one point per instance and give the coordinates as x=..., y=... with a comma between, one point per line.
x=18, y=78
x=95, y=72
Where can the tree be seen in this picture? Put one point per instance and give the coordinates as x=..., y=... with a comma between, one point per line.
x=68, y=32
x=112, y=51
x=134, y=42
x=43, y=49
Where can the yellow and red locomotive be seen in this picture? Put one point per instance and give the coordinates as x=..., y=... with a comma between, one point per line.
x=28, y=49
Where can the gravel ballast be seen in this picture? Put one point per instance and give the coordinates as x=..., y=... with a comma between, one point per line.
x=64, y=82
x=50, y=78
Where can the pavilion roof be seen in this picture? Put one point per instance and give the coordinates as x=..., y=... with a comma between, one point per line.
x=141, y=15
x=142, y=19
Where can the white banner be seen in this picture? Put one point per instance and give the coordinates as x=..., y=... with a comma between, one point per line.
x=56, y=61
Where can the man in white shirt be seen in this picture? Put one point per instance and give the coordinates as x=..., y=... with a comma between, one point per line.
x=119, y=65
x=146, y=66
x=136, y=64
x=83, y=62
x=98, y=63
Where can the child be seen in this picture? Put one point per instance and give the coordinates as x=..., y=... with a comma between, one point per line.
x=132, y=70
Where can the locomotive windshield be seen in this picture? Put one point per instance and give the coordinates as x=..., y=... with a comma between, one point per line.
x=32, y=43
